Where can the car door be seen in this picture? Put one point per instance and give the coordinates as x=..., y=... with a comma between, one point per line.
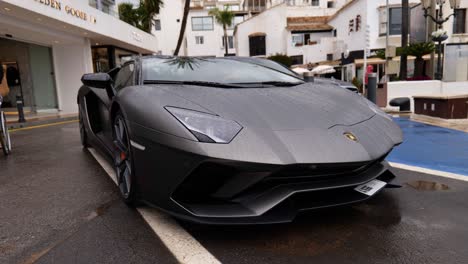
x=125, y=77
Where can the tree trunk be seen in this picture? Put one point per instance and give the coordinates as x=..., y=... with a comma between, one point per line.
x=182, y=27
x=419, y=67
x=404, y=39
x=226, y=44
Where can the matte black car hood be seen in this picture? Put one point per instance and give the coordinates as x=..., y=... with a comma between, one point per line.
x=281, y=108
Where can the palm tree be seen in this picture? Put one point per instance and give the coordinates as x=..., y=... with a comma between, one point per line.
x=404, y=38
x=141, y=17
x=182, y=27
x=224, y=18
x=127, y=14
x=419, y=50
x=147, y=10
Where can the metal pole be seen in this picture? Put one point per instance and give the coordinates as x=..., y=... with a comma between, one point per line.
x=372, y=87
x=439, y=62
x=431, y=28
x=366, y=48
x=439, y=50
x=387, y=41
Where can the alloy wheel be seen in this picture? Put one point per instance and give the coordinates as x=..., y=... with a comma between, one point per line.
x=123, y=160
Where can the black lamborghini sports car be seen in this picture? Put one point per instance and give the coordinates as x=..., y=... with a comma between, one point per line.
x=234, y=140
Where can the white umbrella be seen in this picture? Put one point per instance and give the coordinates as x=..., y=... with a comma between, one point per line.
x=299, y=70
x=323, y=69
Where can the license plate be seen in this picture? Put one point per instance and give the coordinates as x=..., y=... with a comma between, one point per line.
x=371, y=187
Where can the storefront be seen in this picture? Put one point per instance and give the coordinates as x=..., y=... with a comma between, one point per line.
x=29, y=72
x=47, y=45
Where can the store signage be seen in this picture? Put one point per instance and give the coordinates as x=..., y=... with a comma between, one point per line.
x=70, y=10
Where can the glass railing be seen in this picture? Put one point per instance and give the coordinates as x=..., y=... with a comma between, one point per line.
x=105, y=8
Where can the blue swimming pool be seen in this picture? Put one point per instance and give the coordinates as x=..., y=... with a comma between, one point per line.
x=432, y=147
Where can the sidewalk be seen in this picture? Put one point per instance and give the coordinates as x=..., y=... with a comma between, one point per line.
x=37, y=119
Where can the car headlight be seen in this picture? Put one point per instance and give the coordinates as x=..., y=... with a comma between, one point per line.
x=377, y=110
x=206, y=127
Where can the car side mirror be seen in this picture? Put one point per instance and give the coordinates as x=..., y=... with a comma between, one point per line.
x=97, y=80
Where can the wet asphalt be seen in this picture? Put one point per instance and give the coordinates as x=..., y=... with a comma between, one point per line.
x=58, y=206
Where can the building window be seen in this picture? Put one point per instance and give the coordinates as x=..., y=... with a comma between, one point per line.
x=230, y=42
x=236, y=20
x=395, y=21
x=202, y=23
x=331, y=4
x=297, y=40
x=330, y=57
x=315, y=2
x=459, y=22
x=299, y=59
x=199, y=40
x=257, y=45
x=157, y=24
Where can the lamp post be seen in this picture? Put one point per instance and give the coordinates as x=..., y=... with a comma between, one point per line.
x=439, y=35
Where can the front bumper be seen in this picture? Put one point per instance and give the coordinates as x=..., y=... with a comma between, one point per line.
x=218, y=191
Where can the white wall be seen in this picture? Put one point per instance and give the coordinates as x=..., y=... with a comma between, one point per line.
x=170, y=27
x=70, y=63
x=105, y=25
x=272, y=23
x=213, y=39
x=414, y=88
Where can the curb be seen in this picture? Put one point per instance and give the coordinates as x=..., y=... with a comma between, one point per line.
x=13, y=126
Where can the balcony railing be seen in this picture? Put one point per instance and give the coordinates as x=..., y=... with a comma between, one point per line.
x=108, y=9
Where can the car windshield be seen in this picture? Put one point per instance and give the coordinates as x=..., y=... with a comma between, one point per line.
x=214, y=71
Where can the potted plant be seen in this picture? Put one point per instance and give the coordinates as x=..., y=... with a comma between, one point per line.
x=439, y=35
x=418, y=50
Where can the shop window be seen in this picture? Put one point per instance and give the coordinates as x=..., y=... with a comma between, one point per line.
x=459, y=22
x=199, y=40
x=230, y=42
x=202, y=23
x=257, y=45
x=125, y=77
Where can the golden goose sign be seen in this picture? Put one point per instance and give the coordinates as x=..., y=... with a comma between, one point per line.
x=70, y=10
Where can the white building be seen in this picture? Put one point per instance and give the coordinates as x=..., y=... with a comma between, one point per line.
x=373, y=14
x=335, y=32
x=297, y=28
x=203, y=36
x=49, y=44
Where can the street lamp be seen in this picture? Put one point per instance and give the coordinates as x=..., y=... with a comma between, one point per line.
x=439, y=35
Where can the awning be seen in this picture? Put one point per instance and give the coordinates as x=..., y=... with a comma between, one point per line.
x=374, y=61
x=315, y=23
x=312, y=27
x=257, y=34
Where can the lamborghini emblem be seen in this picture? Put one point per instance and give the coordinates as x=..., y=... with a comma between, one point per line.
x=350, y=136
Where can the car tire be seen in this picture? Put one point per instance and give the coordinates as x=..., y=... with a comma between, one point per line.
x=83, y=135
x=123, y=161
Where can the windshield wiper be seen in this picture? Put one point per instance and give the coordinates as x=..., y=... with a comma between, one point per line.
x=199, y=83
x=271, y=83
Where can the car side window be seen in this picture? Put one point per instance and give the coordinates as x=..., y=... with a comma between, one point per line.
x=125, y=77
